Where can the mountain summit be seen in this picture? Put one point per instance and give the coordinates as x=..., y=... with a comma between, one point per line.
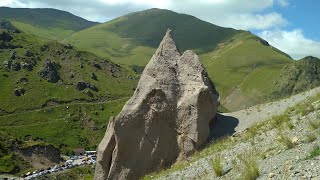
x=165, y=120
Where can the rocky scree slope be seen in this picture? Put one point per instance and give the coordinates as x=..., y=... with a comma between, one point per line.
x=278, y=140
x=166, y=120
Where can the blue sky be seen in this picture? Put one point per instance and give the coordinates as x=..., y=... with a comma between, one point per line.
x=303, y=14
x=290, y=25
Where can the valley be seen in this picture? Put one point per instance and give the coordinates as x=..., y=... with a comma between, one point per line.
x=63, y=79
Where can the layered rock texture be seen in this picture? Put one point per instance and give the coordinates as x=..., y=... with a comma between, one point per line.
x=166, y=119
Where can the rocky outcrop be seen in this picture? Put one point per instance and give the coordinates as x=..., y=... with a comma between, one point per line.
x=40, y=156
x=83, y=85
x=165, y=120
x=19, y=91
x=49, y=71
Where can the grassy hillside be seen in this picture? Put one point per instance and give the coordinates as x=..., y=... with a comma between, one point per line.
x=298, y=76
x=9, y=161
x=132, y=39
x=241, y=64
x=56, y=93
x=244, y=69
x=47, y=23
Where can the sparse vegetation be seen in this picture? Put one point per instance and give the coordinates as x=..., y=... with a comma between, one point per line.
x=315, y=151
x=290, y=125
x=85, y=173
x=249, y=161
x=314, y=124
x=215, y=147
x=286, y=141
x=217, y=165
x=249, y=167
x=310, y=137
x=277, y=121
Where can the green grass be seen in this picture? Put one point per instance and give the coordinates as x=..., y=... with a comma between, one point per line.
x=314, y=124
x=57, y=112
x=315, y=151
x=49, y=33
x=277, y=121
x=10, y=162
x=249, y=66
x=243, y=59
x=85, y=173
x=297, y=77
x=256, y=72
x=217, y=166
x=112, y=85
x=249, y=167
x=252, y=68
x=49, y=23
x=285, y=141
x=310, y=137
x=75, y=126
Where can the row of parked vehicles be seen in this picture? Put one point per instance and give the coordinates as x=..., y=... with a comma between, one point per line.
x=72, y=162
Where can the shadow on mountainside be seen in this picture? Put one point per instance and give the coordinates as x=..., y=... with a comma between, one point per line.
x=223, y=126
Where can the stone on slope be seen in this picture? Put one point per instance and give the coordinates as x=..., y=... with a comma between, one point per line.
x=165, y=120
x=50, y=72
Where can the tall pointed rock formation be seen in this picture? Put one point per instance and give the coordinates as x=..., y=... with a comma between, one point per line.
x=165, y=120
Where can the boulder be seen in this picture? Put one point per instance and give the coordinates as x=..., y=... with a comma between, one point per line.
x=5, y=36
x=83, y=85
x=167, y=119
x=19, y=91
x=16, y=66
x=49, y=71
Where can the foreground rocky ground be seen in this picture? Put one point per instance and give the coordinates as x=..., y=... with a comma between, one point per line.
x=278, y=140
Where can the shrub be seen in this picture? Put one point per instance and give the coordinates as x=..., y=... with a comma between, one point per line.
x=315, y=124
x=217, y=166
x=250, y=167
x=310, y=137
x=290, y=125
x=314, y=152
x=276, y=121
x=286, y=141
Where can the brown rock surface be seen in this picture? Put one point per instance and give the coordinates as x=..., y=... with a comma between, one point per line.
x=165, y=120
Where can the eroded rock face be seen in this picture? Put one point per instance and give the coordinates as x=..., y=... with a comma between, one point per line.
x=49, y=71
x=165, y=120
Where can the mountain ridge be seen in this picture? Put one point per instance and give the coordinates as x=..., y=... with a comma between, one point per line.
x=45, y=22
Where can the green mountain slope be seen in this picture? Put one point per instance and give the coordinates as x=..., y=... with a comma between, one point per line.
x=132, y=39
x=47, y=23
x=241, y=64
x=243, y=69
x=56, y=93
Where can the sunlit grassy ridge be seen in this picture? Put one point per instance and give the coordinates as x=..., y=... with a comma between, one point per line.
x=243, y=69
x=46, y=23
x=242, y=65
x=132, y=39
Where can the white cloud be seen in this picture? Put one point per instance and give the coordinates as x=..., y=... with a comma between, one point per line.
x=292, y=42
x=283, y=3
x=11, y=3
x=253, y=21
